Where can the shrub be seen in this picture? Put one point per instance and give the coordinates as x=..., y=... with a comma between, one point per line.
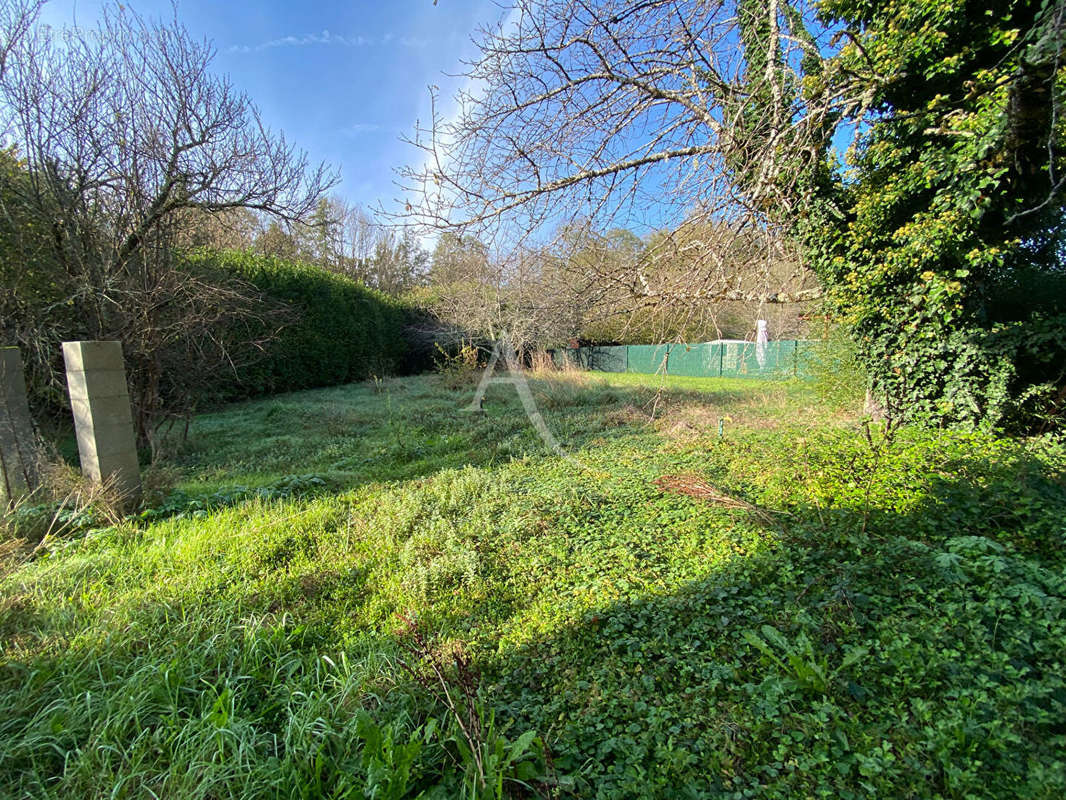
x=340, y=331
x=839, y=376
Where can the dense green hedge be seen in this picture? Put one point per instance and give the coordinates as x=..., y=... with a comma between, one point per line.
x=333, y=329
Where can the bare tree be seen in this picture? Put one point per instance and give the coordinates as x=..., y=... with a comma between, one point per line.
x=527, y=299
x=465, y=287
x=704, y=275
x=125, y=132
x=342, y=237
x=231, y=229
x=16, y=18
x=672, y=114
x=354, y=237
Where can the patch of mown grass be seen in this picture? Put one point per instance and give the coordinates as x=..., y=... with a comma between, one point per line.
x=874, y=618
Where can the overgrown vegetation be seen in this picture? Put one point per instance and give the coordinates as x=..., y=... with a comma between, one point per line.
x=729, y=589
x=902, y=161
x=941, y=247
x=836, y=367
x=332, y=329
x=304, y=327
x=118, y=136
x=866, y=615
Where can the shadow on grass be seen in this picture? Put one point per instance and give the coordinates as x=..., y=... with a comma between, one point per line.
x=870, y=653
x=864, y=651
x=836, y=662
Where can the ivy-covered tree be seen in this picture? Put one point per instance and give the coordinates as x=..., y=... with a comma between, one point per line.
x=940, y=243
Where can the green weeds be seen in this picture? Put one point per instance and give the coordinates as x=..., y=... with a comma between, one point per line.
x=894, y=624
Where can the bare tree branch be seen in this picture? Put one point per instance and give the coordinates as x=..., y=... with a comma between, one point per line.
x=661, y=115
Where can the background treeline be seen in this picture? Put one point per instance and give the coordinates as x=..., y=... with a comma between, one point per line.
x=587, y=285
x=574, y=286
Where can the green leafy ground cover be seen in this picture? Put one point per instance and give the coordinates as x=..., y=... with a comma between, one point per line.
x=860, y=617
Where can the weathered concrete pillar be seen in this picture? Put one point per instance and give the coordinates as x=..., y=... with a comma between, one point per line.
x=18, y=448
x=96, y=380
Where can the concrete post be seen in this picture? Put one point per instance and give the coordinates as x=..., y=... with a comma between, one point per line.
x=18, y=451
x=96, y=380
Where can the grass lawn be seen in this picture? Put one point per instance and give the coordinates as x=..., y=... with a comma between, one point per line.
x=796, y=609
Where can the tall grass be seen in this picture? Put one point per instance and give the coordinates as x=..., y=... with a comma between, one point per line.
x=852, y=621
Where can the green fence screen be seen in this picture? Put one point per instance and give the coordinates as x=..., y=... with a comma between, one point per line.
x=781, y=359
x=608, y=359
x=648, y=358
x=696, y=360
x=806, y=354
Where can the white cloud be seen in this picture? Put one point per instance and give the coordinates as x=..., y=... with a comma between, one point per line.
x=359, y=128
x=327, y=38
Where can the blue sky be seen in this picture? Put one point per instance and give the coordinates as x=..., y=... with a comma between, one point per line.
x=342, y=79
